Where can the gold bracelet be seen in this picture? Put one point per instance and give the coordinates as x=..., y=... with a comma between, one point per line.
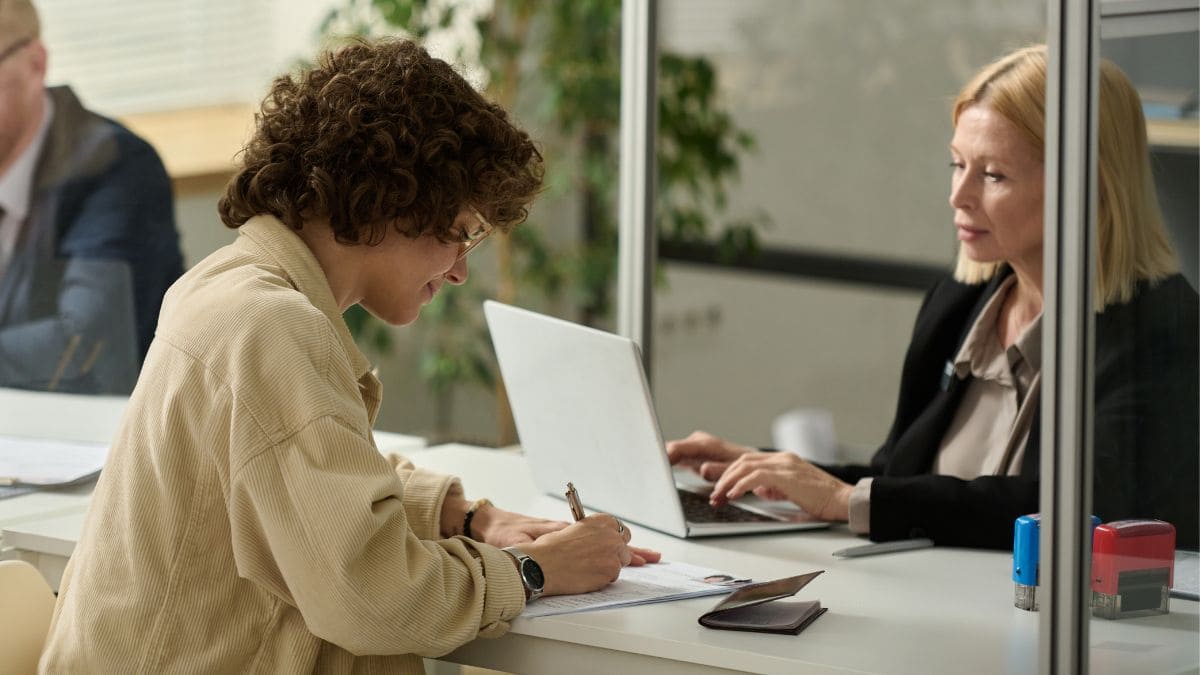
x=475, y=505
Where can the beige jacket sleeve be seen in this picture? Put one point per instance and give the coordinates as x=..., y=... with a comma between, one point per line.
x=323, y=521
x=424, y=493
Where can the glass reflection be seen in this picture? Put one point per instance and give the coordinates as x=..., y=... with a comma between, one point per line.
x=1146, y=448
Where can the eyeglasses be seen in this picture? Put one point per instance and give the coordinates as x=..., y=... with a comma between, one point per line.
x=14, y=48
x=475, y=236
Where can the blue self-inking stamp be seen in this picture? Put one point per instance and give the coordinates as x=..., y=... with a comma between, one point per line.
x=1026, y=532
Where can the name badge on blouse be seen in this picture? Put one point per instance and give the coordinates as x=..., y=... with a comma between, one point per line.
x=947, y=374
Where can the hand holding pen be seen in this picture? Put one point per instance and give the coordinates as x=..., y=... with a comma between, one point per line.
x=638, y=556
x=577, y=512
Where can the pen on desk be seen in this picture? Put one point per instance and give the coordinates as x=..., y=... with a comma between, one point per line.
x=883, y=547
x=573, y=501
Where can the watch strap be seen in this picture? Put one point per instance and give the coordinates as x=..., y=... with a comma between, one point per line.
x=521, y=557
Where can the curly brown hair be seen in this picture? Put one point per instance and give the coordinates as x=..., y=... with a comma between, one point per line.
x=380, y=133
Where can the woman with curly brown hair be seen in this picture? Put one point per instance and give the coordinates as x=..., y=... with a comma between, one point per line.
x=245, y=521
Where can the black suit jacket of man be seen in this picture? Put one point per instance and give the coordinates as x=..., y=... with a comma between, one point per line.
x=1146, y=438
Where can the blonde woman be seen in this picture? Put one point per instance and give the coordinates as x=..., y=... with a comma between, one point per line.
x=961, y=460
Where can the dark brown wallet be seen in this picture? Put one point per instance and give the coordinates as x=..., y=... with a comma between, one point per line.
x=751, y=608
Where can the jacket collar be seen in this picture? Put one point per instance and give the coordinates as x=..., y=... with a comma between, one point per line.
x=77, y=145
x=287, y=250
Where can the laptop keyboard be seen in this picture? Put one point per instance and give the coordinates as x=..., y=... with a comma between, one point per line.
x=696, y=509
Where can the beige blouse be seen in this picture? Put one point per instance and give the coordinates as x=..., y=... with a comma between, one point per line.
x=245, y=522
x=991, y=425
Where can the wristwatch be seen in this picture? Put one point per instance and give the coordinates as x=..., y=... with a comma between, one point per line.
x=531, y=573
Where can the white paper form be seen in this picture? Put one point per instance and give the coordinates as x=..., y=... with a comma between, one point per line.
x=657, y=582
x=46, y=462
x=1187, y=575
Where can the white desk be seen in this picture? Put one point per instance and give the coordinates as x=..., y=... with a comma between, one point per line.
x=929, y=611
x=67, y=417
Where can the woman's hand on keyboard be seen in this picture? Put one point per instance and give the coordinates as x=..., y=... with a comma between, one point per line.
x=706, y=454
x=783, y=475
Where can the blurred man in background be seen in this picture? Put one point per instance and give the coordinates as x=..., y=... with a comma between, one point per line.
x=88, y=243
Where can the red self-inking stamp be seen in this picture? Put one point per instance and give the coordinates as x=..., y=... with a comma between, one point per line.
x=1133, y=564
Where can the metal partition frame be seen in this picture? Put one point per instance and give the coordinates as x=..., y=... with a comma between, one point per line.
x=1068, y=334
x=636, y=250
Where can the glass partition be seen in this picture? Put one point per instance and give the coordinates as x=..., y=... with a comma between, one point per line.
x=846, y=186
x=1146, y=336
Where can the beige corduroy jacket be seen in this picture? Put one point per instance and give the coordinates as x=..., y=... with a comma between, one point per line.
x=245, y=522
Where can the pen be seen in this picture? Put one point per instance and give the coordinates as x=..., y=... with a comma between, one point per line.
x=573, y=501
x=885, y=547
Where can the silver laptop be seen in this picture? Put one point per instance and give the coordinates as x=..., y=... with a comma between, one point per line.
x=584, y=414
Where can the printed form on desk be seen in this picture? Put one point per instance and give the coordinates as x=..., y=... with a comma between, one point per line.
x=29, y=463
x=1187, y=575
x=654, y=582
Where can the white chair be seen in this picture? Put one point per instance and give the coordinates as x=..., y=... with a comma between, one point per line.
x=26, y=604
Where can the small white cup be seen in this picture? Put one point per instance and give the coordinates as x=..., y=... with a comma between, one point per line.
x=808, y=432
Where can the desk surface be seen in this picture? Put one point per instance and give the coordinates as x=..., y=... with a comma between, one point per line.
x=924, y=611
x=67, y=417
x=927, y=611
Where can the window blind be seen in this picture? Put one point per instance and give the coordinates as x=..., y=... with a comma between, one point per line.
x=129, y=56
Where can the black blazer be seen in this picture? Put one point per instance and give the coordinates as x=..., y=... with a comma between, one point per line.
x=1146, y=438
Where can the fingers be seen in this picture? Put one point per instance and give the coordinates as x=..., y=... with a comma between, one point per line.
x=697, y=447
x=678, y=452
x=588, y=555
x=769, y=493
x=544, y=527
x=610, y=522
x=582, y=557
x=784, y=476
x=642, y=556
x=629, y=555
x=735, y=475
x=713, y=470
x=727, y=479
x=755, y=479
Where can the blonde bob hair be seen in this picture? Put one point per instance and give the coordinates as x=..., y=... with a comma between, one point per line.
x=1132, y=244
